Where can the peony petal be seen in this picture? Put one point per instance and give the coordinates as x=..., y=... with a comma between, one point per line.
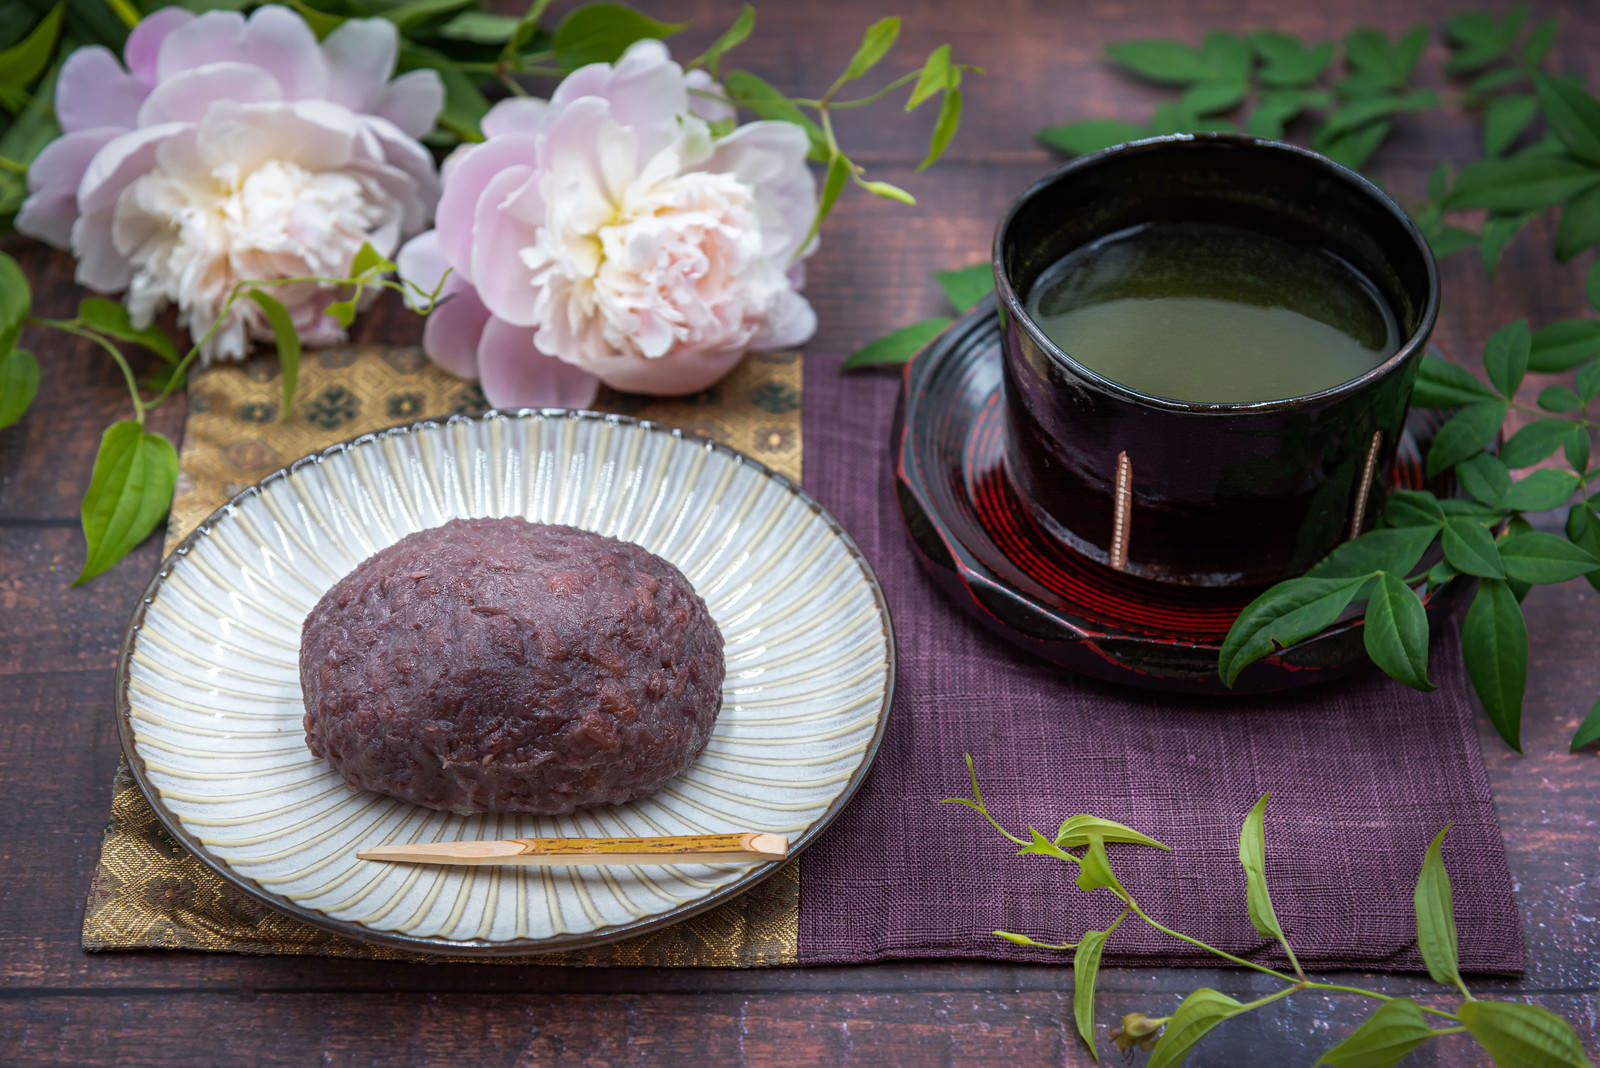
x=94, y=91
x=503, y=281
x=53, y=179
x=100, y=266
x=215, y=37
x=144, y=43
x=646, y=91
x=360, y=57
x=458, y=202
x=770, y=157
x=422, y=264
x=316, y=135
x=405, y=153
x=700, y=81
x=281, y=43
x=123, y=159
x=413, y=101
x=515, y=374
x=515, y=115
x=791, y=323
x=189, y=95
x=670, y=376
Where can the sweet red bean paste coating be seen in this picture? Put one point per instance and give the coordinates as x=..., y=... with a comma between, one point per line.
x=497, y=665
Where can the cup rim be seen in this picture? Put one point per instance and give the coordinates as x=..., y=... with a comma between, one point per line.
x=1011, y=303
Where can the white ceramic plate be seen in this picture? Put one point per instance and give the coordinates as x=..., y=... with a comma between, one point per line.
x=209, y=691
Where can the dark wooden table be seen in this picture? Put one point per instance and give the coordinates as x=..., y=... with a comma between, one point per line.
x=58, y=645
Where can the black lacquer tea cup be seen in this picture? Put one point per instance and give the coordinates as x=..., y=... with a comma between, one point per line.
x=1205, y=494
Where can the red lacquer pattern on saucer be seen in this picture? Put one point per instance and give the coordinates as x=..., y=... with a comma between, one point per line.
x=982, y=544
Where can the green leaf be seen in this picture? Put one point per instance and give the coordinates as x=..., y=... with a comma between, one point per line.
x=749, y=91
x=1591, y=286
x=1199, y=1013
x=1396, y=632
x=1085, y=970
x=1393, y=1030
x=480, y=27
x=1494, y=638
x=935, y=77
x=1505, y=356
x=1285, y=59
x=1485, y=477
x=1539, y=42
x=1573, y=114
x=1492, y=80
x=1564, y=344
x=1517, y=1033
x=1043, y=847
x=875, y=44
x=1227, y=58
x=288, y=342
x=1354, y=148
x=1498, y=233
x=732, y=38
x=1588, y=731
x=129, y=492
x=600, y=33
x=1583, y=528
x=1413, y=508
x=1286, y=613
x=112, y=319
x=1094, y=869
x=1541, y=490
x=1448, y=240
x=1467, y=433
x=1211, y=98
x=1559, y=399
x=1521, y=183
x=413, y=13
x=965, y=287
x=1160, y=60
x=1455, y=506
x=1359, y=113
x=1534, y=442
x=1253, y=858
x=1276, y=108
x=1081, y=138
x=26, y=60
x=1394, y=549
x=1470, y=548
x=833, y=184
x=1436, y=918
x=1504, y=118
x=1369, y=52
x=1544, y=558
x=897, y=347
x=1442, y=384
x=1588, y=381
x=1078, y=830
x=944, y=128
x=367, y=259
x=15, y=296
x=1576, y=448
x=19, y=384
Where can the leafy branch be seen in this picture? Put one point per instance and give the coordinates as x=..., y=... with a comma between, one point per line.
x=135, y=471
x=1511, y=1032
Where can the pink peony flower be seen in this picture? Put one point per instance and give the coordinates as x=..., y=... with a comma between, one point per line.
x=607, y=236
x=234, y=150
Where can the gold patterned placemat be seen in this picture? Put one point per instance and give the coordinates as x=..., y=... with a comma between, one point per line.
x=148, y=891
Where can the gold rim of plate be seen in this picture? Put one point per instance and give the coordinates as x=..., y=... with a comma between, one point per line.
x=185, y=558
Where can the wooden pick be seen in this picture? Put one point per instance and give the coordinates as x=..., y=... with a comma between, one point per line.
x=548, y=852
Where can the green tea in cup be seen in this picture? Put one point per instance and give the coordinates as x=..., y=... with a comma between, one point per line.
x=1210, y=313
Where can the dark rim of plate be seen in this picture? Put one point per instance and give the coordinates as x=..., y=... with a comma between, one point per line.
x=483, y=948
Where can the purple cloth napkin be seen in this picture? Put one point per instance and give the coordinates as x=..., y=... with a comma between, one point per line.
x=1362, y=773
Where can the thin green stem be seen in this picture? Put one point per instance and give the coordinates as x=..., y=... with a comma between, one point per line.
x=860, y=102
x=461, y=130
x=67, y=326
x=510, y=82
x=497, y=69
x=12, y=165
x=1312, y=985
x=1270, y=998
x=124, y=11
x=1180, y=936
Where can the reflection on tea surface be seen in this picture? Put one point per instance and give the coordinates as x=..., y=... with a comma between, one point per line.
x=1213, y=314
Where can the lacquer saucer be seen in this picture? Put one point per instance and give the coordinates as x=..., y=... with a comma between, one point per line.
x=983, y=546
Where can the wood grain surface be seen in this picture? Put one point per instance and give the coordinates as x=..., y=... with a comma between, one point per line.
x=58, y=645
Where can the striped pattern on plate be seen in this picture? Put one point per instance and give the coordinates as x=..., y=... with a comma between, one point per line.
x=209, y=690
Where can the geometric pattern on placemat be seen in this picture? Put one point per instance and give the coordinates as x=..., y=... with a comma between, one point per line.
x=148, y=891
